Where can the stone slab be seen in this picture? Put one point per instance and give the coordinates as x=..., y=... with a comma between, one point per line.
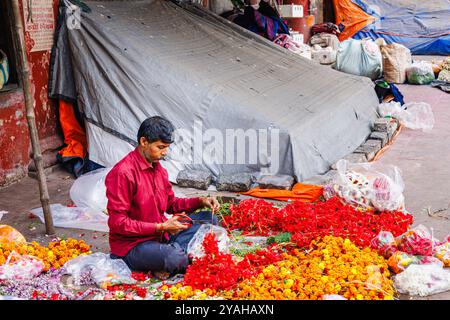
x=378, y=135
x=283, y=182
x=369, y=148
x=238, y=182
x=384, y=124
x=194, y=179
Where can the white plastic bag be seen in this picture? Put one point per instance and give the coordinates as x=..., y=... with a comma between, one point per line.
x=420, y=72
x=359, y=57
x=10, y=298
x=89, y=190
x=333, y=297
x=418, y=241
x=195, y=246
x=368, y=185
x=423, y=280
x=103, y=270
x=413, y=115
x=286, y=41
x=23, y=267
x=75, y=217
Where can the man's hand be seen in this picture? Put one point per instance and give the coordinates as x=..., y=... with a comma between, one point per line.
x=210, y=202
x=172, y=225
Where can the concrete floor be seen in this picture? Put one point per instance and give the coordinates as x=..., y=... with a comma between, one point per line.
x=424, y=159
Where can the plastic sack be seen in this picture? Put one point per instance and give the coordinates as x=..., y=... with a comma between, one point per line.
x=423, y=280
x=89, y=190
x=399, y=261
x=442, y=252
x=323, y=55
x=368, y=186
x=102, y=269
x=286, y=41
x=445, y=65
x=444, y=75
x=75, y=217
x=9, y=234
x=385, y=243
x=333, y=297
x=10, y=298
x=359, y=57
x=325, y=40
x=396, y=58
x=420, y=72
x=413, y=115
x=21, y=267
x=417, y=241
x=195, y=246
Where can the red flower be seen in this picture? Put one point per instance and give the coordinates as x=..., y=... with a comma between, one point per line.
x=54, y=296
x=307, y=221
x=217, y=270
x=141, y=292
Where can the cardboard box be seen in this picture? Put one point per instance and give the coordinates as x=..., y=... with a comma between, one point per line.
x=297, y=36
x=291, y=11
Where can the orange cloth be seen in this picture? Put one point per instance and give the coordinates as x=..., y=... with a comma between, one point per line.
x=74, y=135
x=352, y=17
x=299, y=192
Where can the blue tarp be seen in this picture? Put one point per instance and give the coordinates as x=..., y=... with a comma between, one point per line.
x=422, y=26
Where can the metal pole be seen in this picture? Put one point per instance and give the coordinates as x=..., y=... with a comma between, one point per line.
x=37, y=154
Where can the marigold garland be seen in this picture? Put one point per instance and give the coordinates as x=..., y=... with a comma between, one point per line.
x=55, y=255
x=334, y=266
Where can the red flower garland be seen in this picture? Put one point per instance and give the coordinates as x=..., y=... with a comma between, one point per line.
x=218, y=271
x=308, y=221
x=140, y=291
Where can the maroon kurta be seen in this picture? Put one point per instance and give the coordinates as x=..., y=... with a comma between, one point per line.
x=138, y=195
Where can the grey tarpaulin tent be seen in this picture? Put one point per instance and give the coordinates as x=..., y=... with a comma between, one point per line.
x=126, y=60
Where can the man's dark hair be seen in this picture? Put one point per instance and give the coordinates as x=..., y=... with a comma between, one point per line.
x=156, y=128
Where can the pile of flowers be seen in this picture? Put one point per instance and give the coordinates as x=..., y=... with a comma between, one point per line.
x=442, y=252
x=55, y=255
x=123, y=292
x=47, y=286
x=307, y=221
x=334, y=267
x=218, y=271
x=415, y=246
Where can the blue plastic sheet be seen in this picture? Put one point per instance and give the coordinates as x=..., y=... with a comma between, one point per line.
x=422, y=26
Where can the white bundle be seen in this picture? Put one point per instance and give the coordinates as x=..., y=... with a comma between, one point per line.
x=423, y=280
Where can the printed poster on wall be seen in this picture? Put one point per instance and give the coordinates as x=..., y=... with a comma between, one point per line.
x=39, y=23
